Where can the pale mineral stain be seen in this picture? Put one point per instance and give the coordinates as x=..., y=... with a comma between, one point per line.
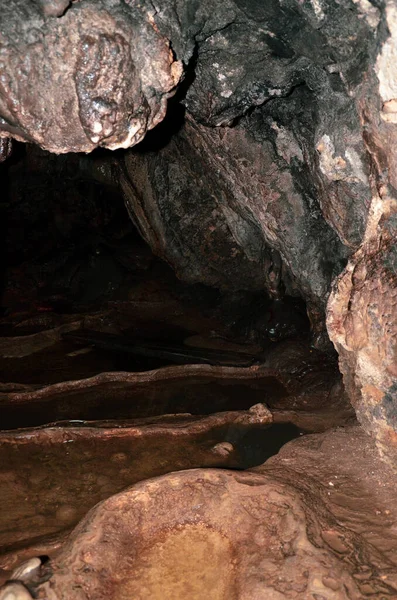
x=192, y=563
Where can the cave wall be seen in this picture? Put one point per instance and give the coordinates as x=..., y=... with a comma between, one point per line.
x=267, y=182
x=362, y=313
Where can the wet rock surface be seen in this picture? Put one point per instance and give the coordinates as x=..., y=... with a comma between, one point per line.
x=52, y=476
x=361, y=309
x=292, y=540
x=356, y=486
x=273, y=135
x=249, y=213
x=53, y=473
x=308, y=523
x=278, y=200
x=362, y=322
x=92, y=415
x=299, y=384
x=262, y=177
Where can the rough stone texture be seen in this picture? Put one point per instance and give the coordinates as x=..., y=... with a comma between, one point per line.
x=315, y=521
x=50, y=477
x=277, y=202
x=217, y=534
x=362, y=306
x=175, y=199
x=291, y=178
x=282, y=168
x=216, y=205
x=5, y=148
x=343, y=469
x=270, y=169
x=296, y=73
x=362, y=324
x=99, y=75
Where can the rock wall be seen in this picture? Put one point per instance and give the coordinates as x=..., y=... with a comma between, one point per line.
x=273, y=135
x=362, y=307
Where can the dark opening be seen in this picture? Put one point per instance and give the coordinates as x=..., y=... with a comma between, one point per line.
x=75, y=267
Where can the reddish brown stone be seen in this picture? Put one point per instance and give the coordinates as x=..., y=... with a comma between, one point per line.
x=50, y=477
x=343, y=470
x=362, y=306
x=362, y=325
x=315, y=521
x=99, y=75
x=215, y=534
x=299, y=384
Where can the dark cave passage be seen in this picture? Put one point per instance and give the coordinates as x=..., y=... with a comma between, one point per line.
x=84, y=300
x=75, y=265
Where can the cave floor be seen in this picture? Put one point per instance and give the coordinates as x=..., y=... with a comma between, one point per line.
x=81, y=419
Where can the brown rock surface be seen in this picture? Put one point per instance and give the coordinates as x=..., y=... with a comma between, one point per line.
x=299, y=384
x=315, y=521
x=50, y=477
x=362, y=307
x=343, y=470
x=361, y=313
x=281, y=168
x=101, y=73
x=362, y=324
x=217, y=534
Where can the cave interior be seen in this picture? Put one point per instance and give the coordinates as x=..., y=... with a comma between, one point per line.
x=198, y=324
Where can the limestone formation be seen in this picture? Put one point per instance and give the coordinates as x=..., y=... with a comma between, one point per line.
x=217, y=534
x=98, y=75
x=362, y=313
